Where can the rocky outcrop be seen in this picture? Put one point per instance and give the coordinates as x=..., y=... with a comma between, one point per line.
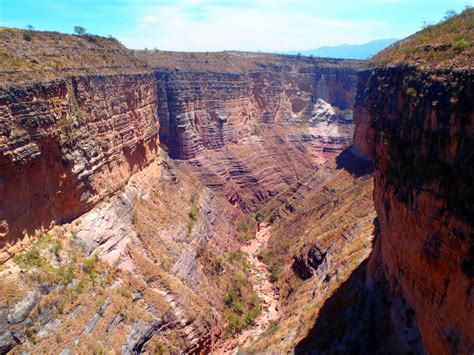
x=363, y=133
x=140, y=334
x=208, y=110
x=100, y=313
x=424, y=141
x=67, y=144
x=21, y=310
x=311, y=260
x=7, y=341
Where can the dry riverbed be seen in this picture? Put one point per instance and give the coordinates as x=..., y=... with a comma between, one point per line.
x=260, y=278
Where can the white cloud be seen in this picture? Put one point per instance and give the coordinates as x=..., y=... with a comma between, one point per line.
x=148, y=20
x=277, y=25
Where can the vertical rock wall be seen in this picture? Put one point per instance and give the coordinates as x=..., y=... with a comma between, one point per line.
x=67, y=144
x=424, y=171
x=207, y=110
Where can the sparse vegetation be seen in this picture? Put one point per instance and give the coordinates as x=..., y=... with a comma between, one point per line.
x=193, y=213
x=411, y=92
x=32, y=258
x=275, y=270
x=460, y=45
x=243, y=307
x=245, y=227
x=27, y=36
x=447, y=42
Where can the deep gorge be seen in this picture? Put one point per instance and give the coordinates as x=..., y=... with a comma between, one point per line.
x=131, y=192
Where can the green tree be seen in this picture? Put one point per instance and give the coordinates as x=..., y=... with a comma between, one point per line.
x=79, y=30
x=449, y=14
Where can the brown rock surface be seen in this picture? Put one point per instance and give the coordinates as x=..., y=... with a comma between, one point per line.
x=424, y=127
x=246, y=134
x=322, y=232
x=67, y=144
x=207, y=110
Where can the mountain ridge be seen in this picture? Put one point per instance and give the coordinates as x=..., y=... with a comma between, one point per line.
x=348, y=51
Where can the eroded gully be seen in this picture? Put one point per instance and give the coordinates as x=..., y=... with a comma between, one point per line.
x=260, y=279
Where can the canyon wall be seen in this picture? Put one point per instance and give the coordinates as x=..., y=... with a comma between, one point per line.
x=207, y=110
x=422, y=124
x=67, y=144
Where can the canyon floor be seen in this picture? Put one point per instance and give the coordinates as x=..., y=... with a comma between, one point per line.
x=153, y=268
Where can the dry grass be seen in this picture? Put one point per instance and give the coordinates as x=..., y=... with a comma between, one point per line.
x=31, y=55
x=449, y=43
x=233, y=61
x=337, y=215
x=36, y=55
x=78, y=286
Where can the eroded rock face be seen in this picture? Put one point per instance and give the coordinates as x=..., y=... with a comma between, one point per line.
x=311, y=260
x=7, y=341
x=363, y=133
x=322, y=111
x=21, y=310
x=67, y=144
x=424, y=128
x=206, y=110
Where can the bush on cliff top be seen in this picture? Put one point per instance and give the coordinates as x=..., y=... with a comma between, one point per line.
x=448, y=42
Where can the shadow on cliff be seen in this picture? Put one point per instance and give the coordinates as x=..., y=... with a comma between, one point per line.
x=358, y=317
x=345, y=323
x=353, y=164
x=336, y=328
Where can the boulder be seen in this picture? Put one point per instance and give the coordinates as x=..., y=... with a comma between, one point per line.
x=7, y=341
x=21, y=310
x=311, y=260
x=140, y=334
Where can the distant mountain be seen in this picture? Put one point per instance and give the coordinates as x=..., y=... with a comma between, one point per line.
x=349, y=51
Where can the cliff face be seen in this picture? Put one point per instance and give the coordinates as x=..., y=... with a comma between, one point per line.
x=363, y=132
x=66, y=144
x=205, y=110
x=424, y=127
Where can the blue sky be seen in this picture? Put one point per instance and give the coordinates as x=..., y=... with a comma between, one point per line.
x=209, y=25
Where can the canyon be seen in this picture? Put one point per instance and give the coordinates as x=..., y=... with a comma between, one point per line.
x=166, y=202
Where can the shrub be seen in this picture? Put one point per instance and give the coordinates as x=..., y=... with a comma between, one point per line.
x=91, y=38
x=275, y=271
x=230, y=298
x=193, y=213
x=460, y=45
x=56, y=247
x=234, y=322
x=252, y=315
x=66, y=275
x=273, y=327
x=236, y=256
x=411, y=92
x=89, y=267
x=27, y=36
x=32, y=258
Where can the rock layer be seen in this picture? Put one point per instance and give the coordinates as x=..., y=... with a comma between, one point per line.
x=424, y=142
x=207, y=110
x=67, y=144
